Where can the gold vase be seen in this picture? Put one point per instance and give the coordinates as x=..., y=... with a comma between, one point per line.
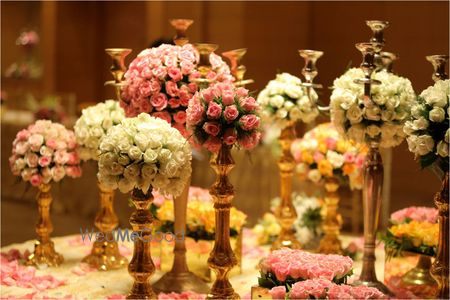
x=285, y=212
x=179, y=278
x=141, y=266
x=238, y=71
x=181, y=26
x=117, y=68
x=420, y=274
x=440, y=267
x=330, y=243
x=44, y=250
x=204, y=64
x=222, y=258
x=105, y=253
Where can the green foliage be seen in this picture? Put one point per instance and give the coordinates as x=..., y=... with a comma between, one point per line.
x=312, y=219
x=394, y=246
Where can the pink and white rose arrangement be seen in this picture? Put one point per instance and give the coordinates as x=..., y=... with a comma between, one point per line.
x=45, y=152
x=160, y=82
x=415, y=213
x=223, y=115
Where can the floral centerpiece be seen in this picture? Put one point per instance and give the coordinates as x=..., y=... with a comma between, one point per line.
x=383, y=118
x=415, y=213
x=160, y=81
x=324, y=289
x=92, y=126
x=284, y=101
x=45, y=152
x=428, y=130
x=286, y=266
x=223, y=115
x=267, y=229
x=322, y=154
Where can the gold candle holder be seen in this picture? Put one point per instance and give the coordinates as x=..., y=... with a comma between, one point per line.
x=238, y=71
x=438, y=62
x=44, y=250
x=222, y=258
x=330, y=243
x=387, y=60
x=286, y=213
x=179, y=278
x=204, y=64
x=378, y=28
x=105, y=253
x=118, y=68
x=181, y=26
x=141, y=266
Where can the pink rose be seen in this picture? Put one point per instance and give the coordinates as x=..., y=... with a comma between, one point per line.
x=249, y=122
x=61, y=145
x=250, y=141
x=228, y=97
x=73, y=158
x=187, y=54
x=145, y=89
x=185, y=96
x=230, y=113
x=36, y=141
x=248, y=104
x=145, y=106
x=73, y=171
x=208, y=95
x=186, y=67
x=155, y=85
x=212, y=128
x=349, y=157
x=174, y=102
x=241, y=92
x=182, y=129
x=214, y=110
x=172, y=88
x=61, y=157
x=163, y=115
x=35, y=180
x=278, y=292
x=159, y=72
x=21, y=148
x=192, y=87
x=230, y=136
x=32, y=160
x=44, y=161
x=331, y=143
x=180, y=117
x=175, y=74
x=23, y=135
x=318, y=156
x=58, y=173
x=194, y=113
x=159, y=101
x=212, y=144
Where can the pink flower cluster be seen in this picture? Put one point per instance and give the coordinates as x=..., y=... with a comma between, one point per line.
x=415, y=213
x=301, y=265
x=188, y=295
x=223, y=114
x=159, y=81
x=325, y=289
x=43, y=152
x=195, y=193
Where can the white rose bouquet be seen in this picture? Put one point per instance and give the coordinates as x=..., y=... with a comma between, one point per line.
x=92, y=126
x=284, y=100
x=382, y=118
x=144, y=152
x=428, y=130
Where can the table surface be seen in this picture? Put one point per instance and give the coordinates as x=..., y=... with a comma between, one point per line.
x=80, y=282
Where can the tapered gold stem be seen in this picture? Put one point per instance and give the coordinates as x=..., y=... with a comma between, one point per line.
x=238, y=71
x=141, y=266
x=286, y=213
x=105, y=253
x=222, y=258
x=44, y=250
x=420, y=274
x=181, y=26
x=117, y=68
x=439, y=62
x=330, y=243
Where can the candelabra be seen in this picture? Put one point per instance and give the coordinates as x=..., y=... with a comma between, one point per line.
x=438, y=62
x=387, y=60
x=204, y=64
x=310, y=71
x=181, y=26
x=378, y=28
x=118, y=68
x=238, y=71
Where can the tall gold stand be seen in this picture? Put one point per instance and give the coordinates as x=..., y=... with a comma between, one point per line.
x=118, y=68
x=330, y=243
x=286, y=213
x=420, y=274
x=141, y=266
x=44, y=250
x=238, y=71
x=181, y=26
x=105, y=253
x=222, y=258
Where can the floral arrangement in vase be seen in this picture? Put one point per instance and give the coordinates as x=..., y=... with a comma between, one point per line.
x=92, y=126
x=415, y=213
x=144, y=152
x=382, y=118
x=223, y=115
x=284, y=101
x=286, y=266
x=324, y=289
x=428, y=130
x=322, y=154
x=160, y=82
x=267, y=229
x=45, y=152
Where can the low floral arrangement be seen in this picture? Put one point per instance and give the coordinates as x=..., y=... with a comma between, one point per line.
x=160, y=81
x=428, y=130
x=415, y=213
x=188, y=295
x=92, y=126
x=144, y=152
x=284, y=101
x=223, y=114
x=322, y=154
x=45, y=152
x=267, y=229
x=200, y=221
x=382, y=118
x=325, y=289
x=286, y=266
x=28, y=39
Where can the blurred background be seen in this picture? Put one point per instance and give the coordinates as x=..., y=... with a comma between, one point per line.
x=53, y=64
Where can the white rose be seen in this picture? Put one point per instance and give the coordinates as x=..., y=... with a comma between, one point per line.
x=123, y=160
x=437, y=114
x=277, y=101
x=417, y=111
x=293, y=91
x=117, y=116
x=46, y=151
x=46, y=174
x=424, y=144
x=336, y=159
x=141, y=141
x=301, y=168
x=392, y=103
x=115, y=168
x=379, y=99
x=420, y=124
x=123, y=145
x=281, y=113
x=165, y=155
x=125, y=185
x=149, y=171
x=154, y=141
x=388, y=130
x=356, y=133
x=27, y=172
x=373, y=131
x=314, y=176
x=135, y=153
x=372, y=113
x=19, y=164
x=107, y=145
x=437, y=98
x=150, y=156
x=107, y=158
x=387, y=115
x=447, y=135
x=131, y=172
x=295, y=113
x=96, y=131
x=442, y=149
x=170, y=169
x=354, y=114
x=107, y=123
x=288, y=105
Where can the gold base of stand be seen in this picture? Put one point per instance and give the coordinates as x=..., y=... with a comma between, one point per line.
x=420, y=274
x=44, y=255
x=330, y=245
x=376, y=284
x=105, y=256
x=289, y=241
x=180, y=282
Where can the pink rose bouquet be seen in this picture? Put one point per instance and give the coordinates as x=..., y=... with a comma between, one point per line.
x=223, y=114
x=286, y=266
x=415, y=213
x=43, y=152
x=159, y=81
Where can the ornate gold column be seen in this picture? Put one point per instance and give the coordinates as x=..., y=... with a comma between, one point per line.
x=286, y=213
x=222, y=258
x=330, y=243
x=141, y=266
x=105, y=253
x=44, y=250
